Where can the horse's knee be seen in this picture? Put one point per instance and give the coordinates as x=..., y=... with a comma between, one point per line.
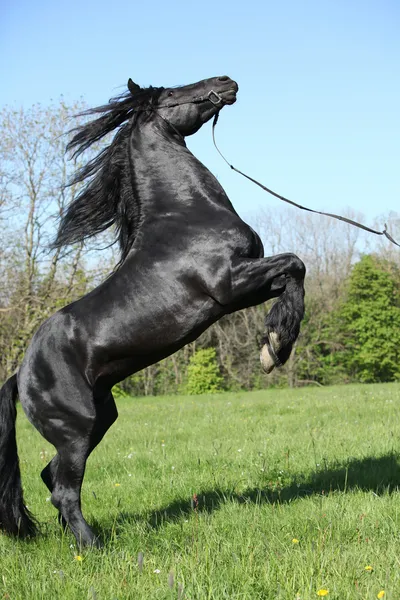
x=296, y=266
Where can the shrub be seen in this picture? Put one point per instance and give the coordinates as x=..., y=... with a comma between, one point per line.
x=203, y=376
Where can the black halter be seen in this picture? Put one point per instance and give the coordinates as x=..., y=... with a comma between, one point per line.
x=212, y=97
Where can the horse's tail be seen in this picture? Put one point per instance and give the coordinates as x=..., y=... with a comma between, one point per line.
x=15, y=518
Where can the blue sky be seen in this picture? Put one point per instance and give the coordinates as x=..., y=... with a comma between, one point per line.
x=317, y=117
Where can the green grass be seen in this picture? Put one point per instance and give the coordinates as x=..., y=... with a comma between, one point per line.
x=318, y=465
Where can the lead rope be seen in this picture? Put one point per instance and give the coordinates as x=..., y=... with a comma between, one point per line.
x=345, y=219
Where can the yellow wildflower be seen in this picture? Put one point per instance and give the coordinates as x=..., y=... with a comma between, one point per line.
x=381, y=594
x=78, y=558
x=117, y=484
x=369, y=568
x=295, y=541
x=322, y=592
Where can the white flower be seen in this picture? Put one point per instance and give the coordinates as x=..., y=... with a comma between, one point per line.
x=157, y=571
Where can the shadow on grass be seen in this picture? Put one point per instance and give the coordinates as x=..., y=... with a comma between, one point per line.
x=379, y=475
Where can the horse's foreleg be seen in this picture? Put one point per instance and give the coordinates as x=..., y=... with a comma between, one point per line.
x=255, y=281
x=282, y=324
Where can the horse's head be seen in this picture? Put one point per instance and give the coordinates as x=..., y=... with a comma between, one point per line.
x=188, y=107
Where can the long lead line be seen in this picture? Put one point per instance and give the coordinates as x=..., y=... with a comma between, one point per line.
x=338, y=217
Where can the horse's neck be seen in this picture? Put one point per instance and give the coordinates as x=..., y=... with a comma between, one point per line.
x=167, y=174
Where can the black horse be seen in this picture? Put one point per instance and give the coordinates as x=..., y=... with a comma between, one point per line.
x=187, y=259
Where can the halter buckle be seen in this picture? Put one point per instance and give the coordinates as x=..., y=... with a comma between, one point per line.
x=214, y=98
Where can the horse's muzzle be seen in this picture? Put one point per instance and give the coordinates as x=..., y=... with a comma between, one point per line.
x=228, y=94
x=229, y=97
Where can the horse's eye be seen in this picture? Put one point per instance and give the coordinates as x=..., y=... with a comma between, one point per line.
x=171, y=93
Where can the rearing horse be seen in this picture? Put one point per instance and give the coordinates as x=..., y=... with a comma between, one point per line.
x=187, y=259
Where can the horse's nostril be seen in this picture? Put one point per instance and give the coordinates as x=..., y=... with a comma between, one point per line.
x=223, y=78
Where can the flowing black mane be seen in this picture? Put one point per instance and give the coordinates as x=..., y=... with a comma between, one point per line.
x=108, y=197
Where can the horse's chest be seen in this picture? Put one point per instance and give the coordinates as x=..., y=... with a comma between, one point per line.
x=237, y=242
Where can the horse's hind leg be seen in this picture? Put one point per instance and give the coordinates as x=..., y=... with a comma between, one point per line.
x=106, y=414
x=67, y=483
x=62, y=407
x=47, y=476
x=49, y=472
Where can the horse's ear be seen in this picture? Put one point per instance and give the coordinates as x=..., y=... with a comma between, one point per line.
x=133, y=87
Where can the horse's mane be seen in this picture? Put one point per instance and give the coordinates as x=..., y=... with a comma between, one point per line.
x=108, y=197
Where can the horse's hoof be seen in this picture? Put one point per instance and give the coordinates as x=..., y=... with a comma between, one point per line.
x=268, y=357
x=97, y=543
x=93, y=543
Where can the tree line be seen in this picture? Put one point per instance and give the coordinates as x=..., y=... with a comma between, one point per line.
x=351, y=329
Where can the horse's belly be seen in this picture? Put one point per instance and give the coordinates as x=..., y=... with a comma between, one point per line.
x=123, y=348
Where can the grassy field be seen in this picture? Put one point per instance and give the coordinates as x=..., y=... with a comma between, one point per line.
x=285, y=494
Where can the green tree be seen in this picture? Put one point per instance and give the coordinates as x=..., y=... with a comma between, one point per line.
x=370, y=322
x=203, y=376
